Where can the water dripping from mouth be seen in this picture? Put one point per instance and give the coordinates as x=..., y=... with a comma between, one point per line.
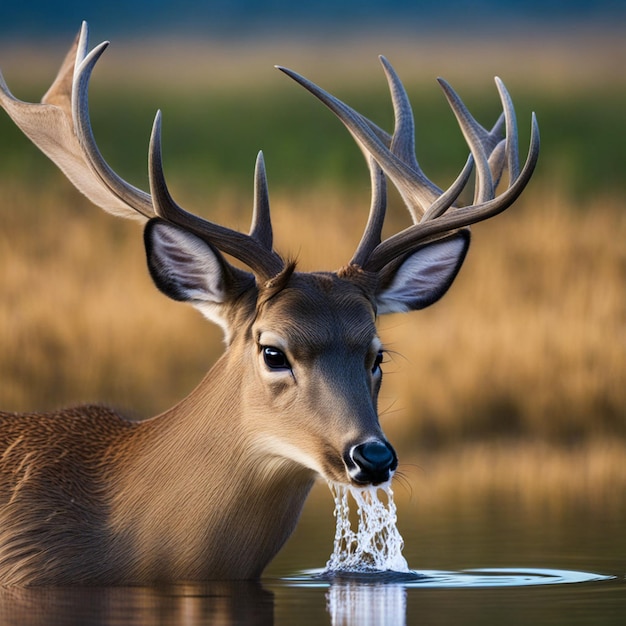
x=376, y=544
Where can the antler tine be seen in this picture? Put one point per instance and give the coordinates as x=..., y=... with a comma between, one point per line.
x=252, y=251
x=136, y=198
x=450, y=195
x=511, y=149
x=373, y=230
x=395, y=155
x=481, y=142
x=409, y=239
x=261, y=227
x=49, y=124
x=403, y=139
x=431, y=207
x=435, y=201
x=373, y=141
x=82, y=49
x=402, y=144
x=418, y=191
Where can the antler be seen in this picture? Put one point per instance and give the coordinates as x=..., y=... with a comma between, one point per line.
x=60, y=126
x=433, y=211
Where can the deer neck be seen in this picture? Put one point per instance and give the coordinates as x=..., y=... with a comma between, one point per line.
x=186, y=521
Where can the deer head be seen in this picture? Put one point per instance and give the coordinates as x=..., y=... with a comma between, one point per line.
x=295, y=393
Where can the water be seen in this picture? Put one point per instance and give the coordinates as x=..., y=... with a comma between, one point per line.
x=376, y=544
x=367, y=581
x=474, y=560
x=366, y=600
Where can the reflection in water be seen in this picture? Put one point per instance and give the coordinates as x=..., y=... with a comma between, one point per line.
x=360, y=600
x=224, y=603
x=381, y=599
x=350, y=604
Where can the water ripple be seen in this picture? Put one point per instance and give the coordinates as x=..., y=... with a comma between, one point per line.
x=484, y=577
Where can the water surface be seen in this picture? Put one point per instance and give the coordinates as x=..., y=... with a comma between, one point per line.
x=491, y=562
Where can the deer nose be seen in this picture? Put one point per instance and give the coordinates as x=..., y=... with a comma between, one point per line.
x=372, y=462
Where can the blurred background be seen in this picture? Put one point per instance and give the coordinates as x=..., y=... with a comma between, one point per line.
x=234, y=18
x=513, y=384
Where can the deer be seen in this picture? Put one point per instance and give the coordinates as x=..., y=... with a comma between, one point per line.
x=213, y=487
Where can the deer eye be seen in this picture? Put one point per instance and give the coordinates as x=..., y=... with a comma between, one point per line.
x=377, y=361
x=275, y=359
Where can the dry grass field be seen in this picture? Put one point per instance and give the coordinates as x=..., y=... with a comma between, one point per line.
x=524, y=359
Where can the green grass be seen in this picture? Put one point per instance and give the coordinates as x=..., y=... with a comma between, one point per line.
x=211, y=139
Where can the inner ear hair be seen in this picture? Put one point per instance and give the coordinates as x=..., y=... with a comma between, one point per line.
x=387, y=273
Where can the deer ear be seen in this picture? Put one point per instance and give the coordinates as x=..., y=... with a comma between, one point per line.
x=187, y=268
x=423, y=276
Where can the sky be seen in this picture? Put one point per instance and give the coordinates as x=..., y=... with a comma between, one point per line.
x=228, y=18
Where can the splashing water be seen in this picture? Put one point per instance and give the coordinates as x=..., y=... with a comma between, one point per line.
x=376, y=545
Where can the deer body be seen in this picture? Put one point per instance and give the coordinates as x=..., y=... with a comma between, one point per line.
x=213, y=487
x=138, y=502
x=87, y=511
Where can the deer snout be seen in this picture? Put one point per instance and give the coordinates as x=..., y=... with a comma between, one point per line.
x=372, y=462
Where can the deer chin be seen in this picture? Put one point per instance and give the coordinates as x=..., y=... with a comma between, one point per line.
x=371, y=463
x=276, y=447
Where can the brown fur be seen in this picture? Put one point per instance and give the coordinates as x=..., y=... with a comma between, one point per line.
x=89, y=497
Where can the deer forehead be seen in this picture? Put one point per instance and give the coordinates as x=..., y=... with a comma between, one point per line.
x=316, y=312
